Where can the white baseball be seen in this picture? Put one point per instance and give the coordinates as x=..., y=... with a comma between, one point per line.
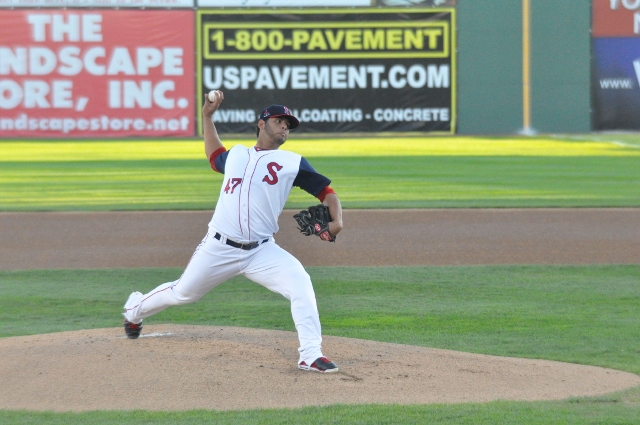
x=213, y=95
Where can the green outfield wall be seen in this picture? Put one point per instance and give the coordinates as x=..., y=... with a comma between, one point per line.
x=490, y=93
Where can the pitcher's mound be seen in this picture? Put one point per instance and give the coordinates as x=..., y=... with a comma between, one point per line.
x=177, y=367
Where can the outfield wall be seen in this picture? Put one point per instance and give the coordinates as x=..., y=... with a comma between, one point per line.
x=478, y=87
x=490, y=66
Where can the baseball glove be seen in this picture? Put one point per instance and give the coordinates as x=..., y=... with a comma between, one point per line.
x=315, y=221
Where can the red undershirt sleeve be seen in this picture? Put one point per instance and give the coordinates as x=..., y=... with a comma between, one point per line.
x=327, y=190
x=214, y=155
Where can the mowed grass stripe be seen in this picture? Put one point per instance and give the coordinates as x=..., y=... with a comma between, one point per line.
x=612, y=409
x=99, y=150
x=361, y=182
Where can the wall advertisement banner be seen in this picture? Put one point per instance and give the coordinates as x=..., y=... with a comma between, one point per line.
x=615, y=18
x=284, y=3
x=96, y=73
x=318, y=3
x=58, y=4
x=340, y=71
x=615, y=74
x=221, y=3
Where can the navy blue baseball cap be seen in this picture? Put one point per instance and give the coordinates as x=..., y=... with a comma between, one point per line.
x=279, y=111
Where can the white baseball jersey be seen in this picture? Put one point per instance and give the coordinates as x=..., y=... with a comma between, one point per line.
x=255, y=188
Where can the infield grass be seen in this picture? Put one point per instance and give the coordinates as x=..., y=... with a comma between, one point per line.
x=367, y=173
x=581, y=314
x=616, y=409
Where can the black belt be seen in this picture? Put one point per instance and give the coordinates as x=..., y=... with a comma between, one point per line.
x=245, y=246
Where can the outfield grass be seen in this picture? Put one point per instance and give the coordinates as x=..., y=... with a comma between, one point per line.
x=367, y=173
x=581, y=314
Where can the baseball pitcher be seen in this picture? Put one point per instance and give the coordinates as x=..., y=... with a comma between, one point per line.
x=256, y=184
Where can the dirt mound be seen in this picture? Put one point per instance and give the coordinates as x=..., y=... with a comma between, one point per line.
x=175, y=367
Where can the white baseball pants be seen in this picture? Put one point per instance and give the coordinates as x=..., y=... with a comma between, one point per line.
x=214, y=262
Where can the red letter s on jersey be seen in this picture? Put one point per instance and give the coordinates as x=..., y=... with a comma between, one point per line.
x=272, y=167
